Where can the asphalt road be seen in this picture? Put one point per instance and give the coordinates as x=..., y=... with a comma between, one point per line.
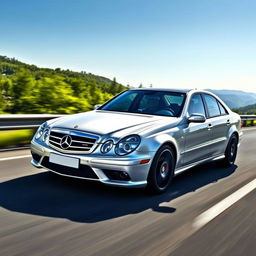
x=45, y=214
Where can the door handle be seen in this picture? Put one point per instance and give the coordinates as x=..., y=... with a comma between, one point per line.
x=209, y=126
x=228, y=122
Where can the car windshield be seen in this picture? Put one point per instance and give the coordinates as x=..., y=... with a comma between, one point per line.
x=161, y=103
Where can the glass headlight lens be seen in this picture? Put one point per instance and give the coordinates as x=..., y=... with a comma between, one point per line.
x=40, y=131
x=127, y=145
x=45, y=134
x=106, y=146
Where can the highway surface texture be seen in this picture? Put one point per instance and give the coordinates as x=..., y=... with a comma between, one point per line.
x=45, y=214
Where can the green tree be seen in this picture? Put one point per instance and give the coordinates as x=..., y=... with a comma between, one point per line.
x=5, y=93
x=113, y=87
x=78, y=86
x=56, y=96
x=94, y=94
x=23, y=84
x=2, y=103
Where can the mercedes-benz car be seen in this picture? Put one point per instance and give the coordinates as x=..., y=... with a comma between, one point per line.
x=140, y=138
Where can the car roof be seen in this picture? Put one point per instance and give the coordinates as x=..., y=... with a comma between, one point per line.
x=191, y=91
x=164, y=89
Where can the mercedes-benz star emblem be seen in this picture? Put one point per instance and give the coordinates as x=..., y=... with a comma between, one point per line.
x=65, y=142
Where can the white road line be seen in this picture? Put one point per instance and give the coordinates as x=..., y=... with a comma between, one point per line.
x=14, y=157
x=220, y=207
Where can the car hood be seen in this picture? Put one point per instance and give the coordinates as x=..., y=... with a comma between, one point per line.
x=109, y=123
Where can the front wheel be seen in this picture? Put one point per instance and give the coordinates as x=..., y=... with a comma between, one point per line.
x=161, y=171
x=231, y=152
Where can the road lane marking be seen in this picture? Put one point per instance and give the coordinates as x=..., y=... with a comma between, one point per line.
x=14, y=157
x=220, y=207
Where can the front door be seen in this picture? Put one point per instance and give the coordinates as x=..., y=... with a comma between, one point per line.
x=197, y=135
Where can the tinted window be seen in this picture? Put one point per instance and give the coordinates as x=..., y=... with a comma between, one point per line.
x=173, y=99
x=196, y=105
x=124, y=105
x=212, y=106
x=163, y=103
x=222, y=109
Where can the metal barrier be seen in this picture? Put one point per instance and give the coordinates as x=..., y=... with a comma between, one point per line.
x=17, y=122
x=248, y=120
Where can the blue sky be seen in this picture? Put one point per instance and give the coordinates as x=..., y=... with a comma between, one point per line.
x=167, y=43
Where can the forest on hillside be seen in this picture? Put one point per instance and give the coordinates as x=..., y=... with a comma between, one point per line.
x=29, y=89
x=247, y=110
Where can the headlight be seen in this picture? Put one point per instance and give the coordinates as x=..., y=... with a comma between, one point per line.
x=42, y=132
x=106, y=146
x=45, y=134
x=127, y=145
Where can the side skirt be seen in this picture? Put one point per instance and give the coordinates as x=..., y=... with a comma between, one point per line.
x=184, y=168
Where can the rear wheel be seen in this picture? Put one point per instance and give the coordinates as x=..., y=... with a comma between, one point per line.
x=231, y=152
x=161, y=171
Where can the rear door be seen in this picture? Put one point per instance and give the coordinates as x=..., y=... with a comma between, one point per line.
x=220, y=123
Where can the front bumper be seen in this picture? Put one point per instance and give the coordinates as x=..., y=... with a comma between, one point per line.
x=100, y=164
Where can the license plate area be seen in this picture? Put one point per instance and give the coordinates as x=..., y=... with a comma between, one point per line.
x=64, y=160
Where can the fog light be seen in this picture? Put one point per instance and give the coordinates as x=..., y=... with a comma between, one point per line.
x=117, y=175
x=124, y=175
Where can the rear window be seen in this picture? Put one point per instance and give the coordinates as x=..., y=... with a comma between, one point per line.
x=223, y=111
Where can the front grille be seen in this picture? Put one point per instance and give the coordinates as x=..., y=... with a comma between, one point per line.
x=84, y=171
x=79, y=143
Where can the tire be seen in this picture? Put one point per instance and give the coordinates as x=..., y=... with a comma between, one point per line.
x=161, y=171
x=231, y=152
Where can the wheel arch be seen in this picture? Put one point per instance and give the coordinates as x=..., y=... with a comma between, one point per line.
x=173, y=147
x=236, y=134
x=233, y=130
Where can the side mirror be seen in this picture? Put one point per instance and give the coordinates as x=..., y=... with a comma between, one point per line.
x=196, y=118
x=97, y=106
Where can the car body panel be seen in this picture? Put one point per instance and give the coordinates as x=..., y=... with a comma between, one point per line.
x=197, y=142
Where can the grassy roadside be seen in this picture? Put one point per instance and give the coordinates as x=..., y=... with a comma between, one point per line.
x=15, y=137
x=249, y=123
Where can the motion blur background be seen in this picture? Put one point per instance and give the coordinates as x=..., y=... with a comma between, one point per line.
x=63, y=57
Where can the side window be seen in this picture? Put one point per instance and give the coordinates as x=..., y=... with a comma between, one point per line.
x=212, y=105
x=223, y=111
x=196, y=105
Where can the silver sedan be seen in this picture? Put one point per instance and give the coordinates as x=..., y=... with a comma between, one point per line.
x=140, y=138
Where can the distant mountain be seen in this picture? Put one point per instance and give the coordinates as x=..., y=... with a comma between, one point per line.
x=247, y=110
x=235, y=98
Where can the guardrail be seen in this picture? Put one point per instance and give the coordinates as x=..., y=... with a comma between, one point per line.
x=17, y=122
x=248, y=120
